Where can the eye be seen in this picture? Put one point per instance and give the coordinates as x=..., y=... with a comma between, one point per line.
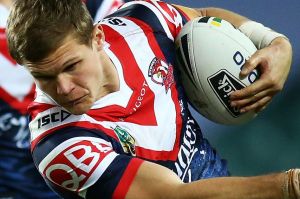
x=71, y=67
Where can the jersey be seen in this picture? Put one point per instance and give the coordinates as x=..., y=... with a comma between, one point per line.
x=18, y=175
x=97, y=154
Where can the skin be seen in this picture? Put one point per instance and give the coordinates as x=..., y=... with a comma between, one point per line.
x=6, y=3
x=75, y=76
x=63, y=74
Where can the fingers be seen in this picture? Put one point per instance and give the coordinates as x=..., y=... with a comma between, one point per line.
x=252, y=63
x=253, y=89
x=252, y=104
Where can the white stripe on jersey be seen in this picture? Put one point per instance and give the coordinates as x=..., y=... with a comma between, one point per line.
x=157, y=13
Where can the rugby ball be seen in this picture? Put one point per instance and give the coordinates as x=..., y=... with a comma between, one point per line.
x=210, y=54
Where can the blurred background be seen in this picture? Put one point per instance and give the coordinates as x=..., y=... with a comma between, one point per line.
x=270, y=142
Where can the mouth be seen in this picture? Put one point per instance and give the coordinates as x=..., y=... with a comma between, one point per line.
x=77, y=100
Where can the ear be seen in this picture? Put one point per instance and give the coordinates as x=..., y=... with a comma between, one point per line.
x=98, y=37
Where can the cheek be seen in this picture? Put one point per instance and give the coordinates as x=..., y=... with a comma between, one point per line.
x=46, y=86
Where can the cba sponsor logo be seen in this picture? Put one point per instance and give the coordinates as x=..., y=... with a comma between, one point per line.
x=223, y=84
x=161, y=73
x=74, y=165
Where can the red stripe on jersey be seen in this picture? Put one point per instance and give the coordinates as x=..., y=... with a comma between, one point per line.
x=4, y=48
x=127, y=178
x=158, y=53
x=173, y=26
x=84, y=124
x=21, y=106
x=135, y=80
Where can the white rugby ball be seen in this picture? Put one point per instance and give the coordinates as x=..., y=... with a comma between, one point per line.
x=210, y=55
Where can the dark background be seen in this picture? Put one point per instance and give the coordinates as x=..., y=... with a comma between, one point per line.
x=270, y=142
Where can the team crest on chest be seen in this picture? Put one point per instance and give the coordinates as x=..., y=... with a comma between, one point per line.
x=161, y=73
x=126, y=140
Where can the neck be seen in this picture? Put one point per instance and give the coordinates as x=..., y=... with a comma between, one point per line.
x=111, y=82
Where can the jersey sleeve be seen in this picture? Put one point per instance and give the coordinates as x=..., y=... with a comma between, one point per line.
x=78, y=156
x=82, y=163
x=160, y=16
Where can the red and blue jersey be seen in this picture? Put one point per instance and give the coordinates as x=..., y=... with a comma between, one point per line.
x=97, y=154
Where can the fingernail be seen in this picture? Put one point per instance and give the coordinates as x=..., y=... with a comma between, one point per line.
x=242, y=110
x=233, y=104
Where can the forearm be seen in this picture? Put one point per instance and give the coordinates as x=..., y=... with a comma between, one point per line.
x=234, y=18
x=156, y=182
x=261, y=187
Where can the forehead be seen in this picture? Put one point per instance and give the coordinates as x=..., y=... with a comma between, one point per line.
x=66, y=52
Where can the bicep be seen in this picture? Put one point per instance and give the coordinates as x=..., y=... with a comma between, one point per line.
x=236, y=19
x=154, y=181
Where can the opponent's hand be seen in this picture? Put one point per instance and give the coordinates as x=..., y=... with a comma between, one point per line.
x=274, y=64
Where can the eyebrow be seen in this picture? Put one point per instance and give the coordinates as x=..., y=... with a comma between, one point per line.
x=70, y=61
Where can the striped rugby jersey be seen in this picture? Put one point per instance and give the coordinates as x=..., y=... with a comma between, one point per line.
x=97, y=154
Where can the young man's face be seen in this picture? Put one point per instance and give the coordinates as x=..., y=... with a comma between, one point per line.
x=71, y=75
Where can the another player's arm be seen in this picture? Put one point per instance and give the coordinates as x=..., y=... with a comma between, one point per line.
x=273, y=61
x=154, y=181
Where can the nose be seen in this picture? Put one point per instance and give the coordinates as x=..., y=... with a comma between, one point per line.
x=64, y=85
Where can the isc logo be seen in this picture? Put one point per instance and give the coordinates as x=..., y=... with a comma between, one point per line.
x=59, y=116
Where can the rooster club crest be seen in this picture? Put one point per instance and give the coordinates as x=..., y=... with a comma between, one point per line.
x=161, y=73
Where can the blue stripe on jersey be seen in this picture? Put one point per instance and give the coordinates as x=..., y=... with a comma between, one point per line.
x=47, y=144
x=144, y=14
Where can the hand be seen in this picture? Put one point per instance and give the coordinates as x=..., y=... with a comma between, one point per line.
x=274, y=64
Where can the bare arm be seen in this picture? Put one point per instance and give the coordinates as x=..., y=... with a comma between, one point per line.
x=156, y=182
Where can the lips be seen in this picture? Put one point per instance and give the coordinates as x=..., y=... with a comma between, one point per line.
x=76, y=101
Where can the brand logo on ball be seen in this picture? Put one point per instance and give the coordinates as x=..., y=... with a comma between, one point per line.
x=161, y=73
x=223, y=84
